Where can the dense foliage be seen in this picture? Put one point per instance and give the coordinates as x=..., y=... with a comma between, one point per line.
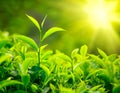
x=26, y=67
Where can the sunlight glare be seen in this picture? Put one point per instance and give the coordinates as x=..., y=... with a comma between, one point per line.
x=100, y=14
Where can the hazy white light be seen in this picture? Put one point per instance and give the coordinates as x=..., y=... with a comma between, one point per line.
x=100, y=14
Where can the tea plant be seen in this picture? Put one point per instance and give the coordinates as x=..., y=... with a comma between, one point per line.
x=26, y=67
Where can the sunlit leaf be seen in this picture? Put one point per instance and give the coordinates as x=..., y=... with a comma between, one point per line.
x=83, y=50
x=2, y=43
x=81, y=88
x=103, y=54
x=97, y=60
x=46, y=55
x=34, y=87
x=25, y=65
x=43, y=21
x=47, y=71
x=43, y=47
x=51, y=31
x=93, y=73
x=6, y=83
x=65, y=90
x=63, y=56
x=74, y=52
x=52, y=88
x=5, y=57
x=34, y=21
x=95, y=87
x=28, y=40
x=112, y=57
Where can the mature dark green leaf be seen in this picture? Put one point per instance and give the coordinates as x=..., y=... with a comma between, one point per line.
x=116, y=89
x=25, y=79
x=51, y=31
x=20, y=91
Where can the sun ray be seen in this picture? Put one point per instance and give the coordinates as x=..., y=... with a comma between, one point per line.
x=100, y=14
x=96, y=18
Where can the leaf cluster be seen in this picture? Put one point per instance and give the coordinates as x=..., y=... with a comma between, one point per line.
x=57, y=72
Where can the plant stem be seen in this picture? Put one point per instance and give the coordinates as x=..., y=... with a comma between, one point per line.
x=40, y=44
x=72, y=65
x=39, y=57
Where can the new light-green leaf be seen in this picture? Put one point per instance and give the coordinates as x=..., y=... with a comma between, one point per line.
x=28, y=40
x=83, y=50
x=5, y=83
x=51, y=31
x=34, y=21
x=103, y=54
x=42, y=24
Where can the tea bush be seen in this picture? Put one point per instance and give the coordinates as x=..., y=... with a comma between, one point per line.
x=27, y=67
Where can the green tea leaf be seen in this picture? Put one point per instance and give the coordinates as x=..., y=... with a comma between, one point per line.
x=47, y=71
x=81, y=88
x=95, y=88
x=51, y=31
x=26, y=63
x=103, y=54
x=74, y=52
x=28, y=40
x=34, y=88
x=52, y=88
x=66, y=90
x=98, y=61
x=112, y=57
x=34, y=21
x=42, y=24
x=25, y=79
x=46, y=55
x=43, y=47
x=116, y=89
x=2, y=43
x=5, y=83
x=5, y=57
x=20, y=91
x=83, y=50
x=93, y=73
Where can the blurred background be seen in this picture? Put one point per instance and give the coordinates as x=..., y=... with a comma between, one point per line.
x=95, y=23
